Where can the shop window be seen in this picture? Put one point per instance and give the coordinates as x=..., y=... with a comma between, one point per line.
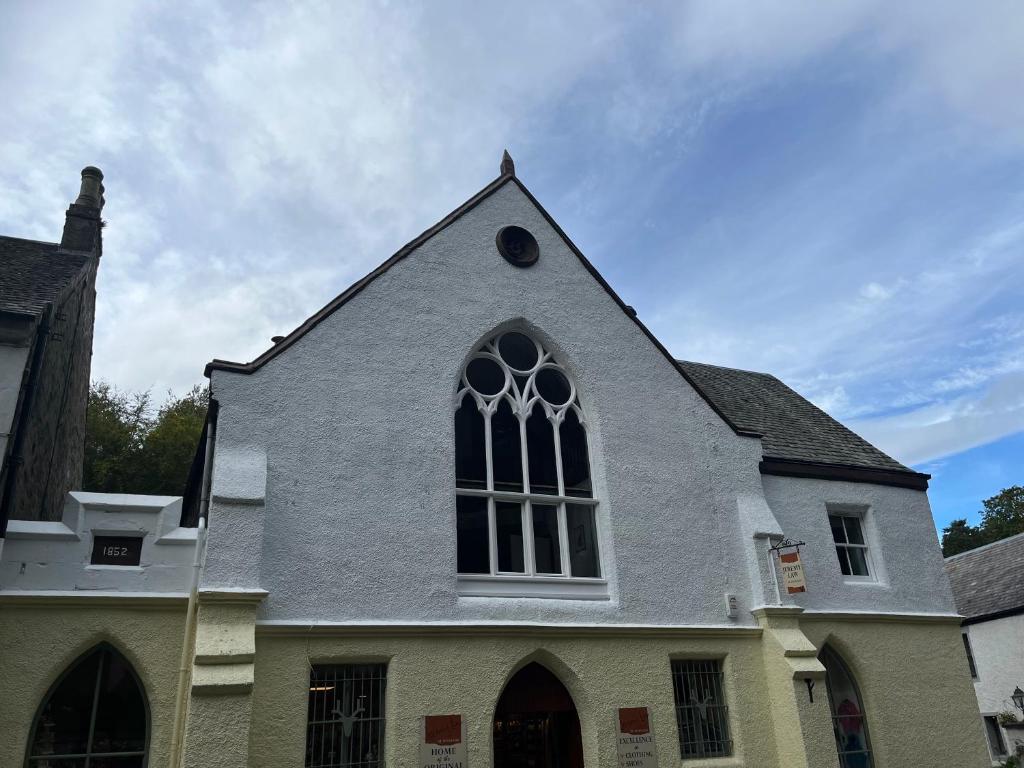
x=701, y=712
x=996, y=744
x=849, y=723
x=345, y=727
x=851, y=548
x=525, y=508
x=95, y=715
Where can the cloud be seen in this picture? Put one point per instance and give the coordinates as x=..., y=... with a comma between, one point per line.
x=939, y=430
x=826, y=191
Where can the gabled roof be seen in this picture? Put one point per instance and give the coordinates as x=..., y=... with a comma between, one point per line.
x=988, y=582
x=799, y=439
x=34, y=274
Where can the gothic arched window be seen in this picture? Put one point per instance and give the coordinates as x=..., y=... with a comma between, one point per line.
x=94, y=715
x=525, y=504
x=848, y=720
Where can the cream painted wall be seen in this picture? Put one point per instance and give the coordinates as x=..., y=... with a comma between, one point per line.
x=460, y=673
x=913, y=682
x=40, y=641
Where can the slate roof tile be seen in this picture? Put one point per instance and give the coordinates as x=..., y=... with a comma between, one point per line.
x=988, y=579
x=33, y=273
x=793, y=428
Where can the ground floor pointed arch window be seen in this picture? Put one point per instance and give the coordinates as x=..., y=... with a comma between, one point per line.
x=848, y=720
x=95, y=716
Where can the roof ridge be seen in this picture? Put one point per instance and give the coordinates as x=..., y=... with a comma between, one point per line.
x=29, y=240
x=990, y=545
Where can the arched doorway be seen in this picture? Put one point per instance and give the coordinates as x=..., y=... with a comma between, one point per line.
x=535, y=723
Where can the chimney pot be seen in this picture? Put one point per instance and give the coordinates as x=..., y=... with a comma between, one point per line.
x=91, y=194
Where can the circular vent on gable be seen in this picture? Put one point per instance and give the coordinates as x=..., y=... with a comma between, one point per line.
x=518, y=246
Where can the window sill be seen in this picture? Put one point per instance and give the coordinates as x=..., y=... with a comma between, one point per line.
x=862, y=581
x=546, y=587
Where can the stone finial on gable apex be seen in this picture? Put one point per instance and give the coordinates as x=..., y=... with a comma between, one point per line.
x=508, y=168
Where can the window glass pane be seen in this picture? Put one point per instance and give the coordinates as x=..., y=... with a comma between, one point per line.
x=848, y=721
x=552, y=386
x=509, y=520
x=853, y=532
x=844, y=561
x=858, y=561
x=473, y=539
x=47, y=762
x=970, y=655
x=838, y=534
x=506, y=455
x=995, y=736
x=63, y=725
x=518, y=351
x=540, y=442
x=701, y=712
x=346, y=716
x=575, y=462
x=470, y=456
x=485, y=375
x=545, y=539
x=121, y=712
x=583, y=555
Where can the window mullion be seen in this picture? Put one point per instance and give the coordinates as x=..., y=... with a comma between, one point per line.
x=492, y=535
x=555, y=426
x=95, y=706
x=523, y=452
x=531, y=552
x=488, y=449
x=563, y=535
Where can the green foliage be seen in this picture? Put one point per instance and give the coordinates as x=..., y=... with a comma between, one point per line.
x=130, y=450
x=1002, y=517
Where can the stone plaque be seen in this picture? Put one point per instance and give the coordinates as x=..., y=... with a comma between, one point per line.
x=116, y=550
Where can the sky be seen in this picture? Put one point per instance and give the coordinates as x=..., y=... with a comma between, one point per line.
x=829, y=192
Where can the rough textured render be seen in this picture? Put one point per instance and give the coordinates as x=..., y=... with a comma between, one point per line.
x=355, y=419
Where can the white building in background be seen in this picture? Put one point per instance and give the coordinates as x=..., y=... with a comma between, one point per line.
x=988, y=585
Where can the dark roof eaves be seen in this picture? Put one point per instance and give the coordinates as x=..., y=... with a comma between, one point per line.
x=852, y=473
x=1001, y=614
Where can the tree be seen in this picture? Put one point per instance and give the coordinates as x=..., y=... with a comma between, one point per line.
x=1003, y=516
x=115, y=428
x=129, y=450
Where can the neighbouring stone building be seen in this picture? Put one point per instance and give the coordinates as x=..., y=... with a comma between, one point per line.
x=473, y=513
x=988, y=586
x=47, y=306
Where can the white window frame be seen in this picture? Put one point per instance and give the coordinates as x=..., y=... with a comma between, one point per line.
x=529, y=583
x=861, y=518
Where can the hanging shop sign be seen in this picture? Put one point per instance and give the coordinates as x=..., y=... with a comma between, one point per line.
x=792, y=569
x=443, y=742
x=636, y=738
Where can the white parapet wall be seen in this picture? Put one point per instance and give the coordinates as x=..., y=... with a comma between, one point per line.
x=75, y=554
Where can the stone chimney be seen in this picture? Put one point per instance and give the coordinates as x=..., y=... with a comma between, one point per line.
x=82, y=224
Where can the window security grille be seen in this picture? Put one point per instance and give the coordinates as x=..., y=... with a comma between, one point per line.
x=346, y=716
x=701, y=712
x=851, y=548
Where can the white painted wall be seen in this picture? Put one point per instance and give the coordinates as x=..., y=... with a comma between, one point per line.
x=334, y=472
x=998, y=648
x=12, y=369
x=55, y=556
x=905, y=555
